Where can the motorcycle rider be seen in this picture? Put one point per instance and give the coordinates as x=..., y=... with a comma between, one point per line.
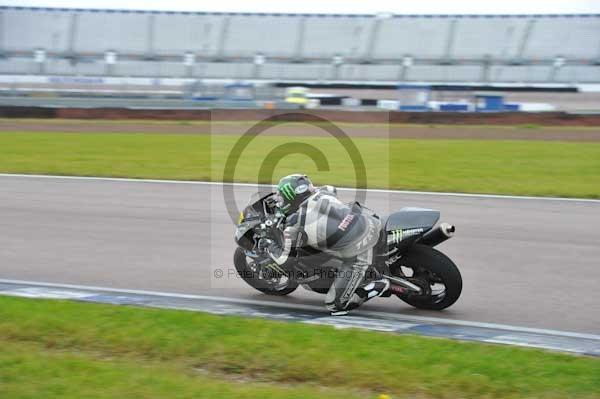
x=317, y=218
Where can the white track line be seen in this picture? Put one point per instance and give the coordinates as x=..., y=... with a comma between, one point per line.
x=372, y=190
x=433, y=320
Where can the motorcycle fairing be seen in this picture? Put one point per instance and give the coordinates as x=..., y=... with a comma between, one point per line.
x=412, y=218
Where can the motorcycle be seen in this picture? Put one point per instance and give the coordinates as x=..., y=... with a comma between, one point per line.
x=419, y=274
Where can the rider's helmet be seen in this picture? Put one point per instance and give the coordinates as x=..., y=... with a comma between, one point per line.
x=293, y=190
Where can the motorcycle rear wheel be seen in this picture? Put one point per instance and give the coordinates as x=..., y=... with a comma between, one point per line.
x=429, y=268
x=240, y=261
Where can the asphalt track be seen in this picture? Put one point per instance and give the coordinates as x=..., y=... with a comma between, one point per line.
x=526, y=262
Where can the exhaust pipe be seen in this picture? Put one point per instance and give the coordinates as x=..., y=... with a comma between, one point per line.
x=438, y=235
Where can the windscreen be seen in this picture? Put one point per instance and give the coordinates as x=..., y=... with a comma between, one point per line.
x=254, y=207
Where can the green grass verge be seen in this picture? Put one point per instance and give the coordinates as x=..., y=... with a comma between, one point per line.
x=67, y=349
x=504, y=167
x=36, y=371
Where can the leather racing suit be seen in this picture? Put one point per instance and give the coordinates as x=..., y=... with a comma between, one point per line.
x=348, y=232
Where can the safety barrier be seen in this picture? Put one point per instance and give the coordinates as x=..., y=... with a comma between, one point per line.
x=453, y=118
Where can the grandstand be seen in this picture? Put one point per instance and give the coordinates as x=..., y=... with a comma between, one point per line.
x=301, y=47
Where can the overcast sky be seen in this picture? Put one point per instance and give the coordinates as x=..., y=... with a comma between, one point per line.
x=336, y=6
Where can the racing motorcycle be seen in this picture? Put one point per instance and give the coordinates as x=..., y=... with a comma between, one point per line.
x=419, y=274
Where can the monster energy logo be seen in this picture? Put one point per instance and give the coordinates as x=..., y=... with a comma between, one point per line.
x=276, y=268
x=287, y=191
x=396, y=236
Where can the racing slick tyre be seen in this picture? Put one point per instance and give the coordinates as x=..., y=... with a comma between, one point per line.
x=434, y=272
x=272, y=284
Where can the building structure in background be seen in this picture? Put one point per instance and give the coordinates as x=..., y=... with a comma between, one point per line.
x=301, y=47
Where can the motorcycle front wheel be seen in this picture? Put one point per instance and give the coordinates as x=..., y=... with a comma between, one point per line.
x=271, y=284
x=434, y=272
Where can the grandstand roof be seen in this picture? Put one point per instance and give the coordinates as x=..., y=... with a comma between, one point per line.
x=315, y=14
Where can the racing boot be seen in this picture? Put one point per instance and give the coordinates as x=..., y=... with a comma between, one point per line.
x=376, y=288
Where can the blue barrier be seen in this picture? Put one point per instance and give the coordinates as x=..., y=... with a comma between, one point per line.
x=454, y=107
x=414, y=108
x=512, y=107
